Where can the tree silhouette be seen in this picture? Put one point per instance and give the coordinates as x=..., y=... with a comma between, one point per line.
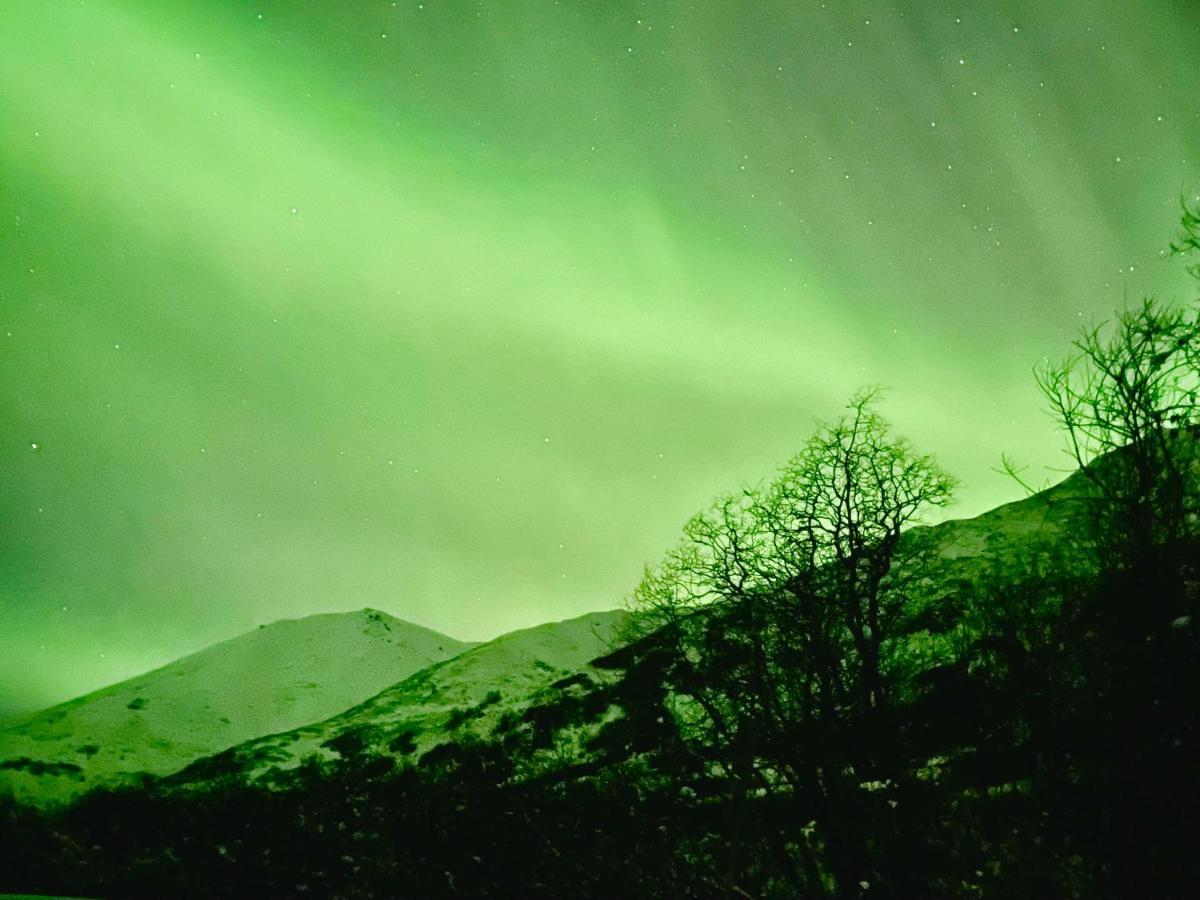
x=1127, y=401
x=777, y=616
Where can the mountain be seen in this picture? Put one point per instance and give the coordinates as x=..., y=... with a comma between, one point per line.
x=471, y=693
x=332, y=686
x=272, y=679
x=489, y=690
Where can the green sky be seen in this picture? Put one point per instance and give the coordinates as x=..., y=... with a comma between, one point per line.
x=459, y=310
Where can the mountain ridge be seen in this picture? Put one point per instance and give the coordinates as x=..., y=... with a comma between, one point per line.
x=472, y=692
x=482, y=688
x=445, y=703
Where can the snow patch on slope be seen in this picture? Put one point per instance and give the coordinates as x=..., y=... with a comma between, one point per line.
x=468, y=693
x=272, y=679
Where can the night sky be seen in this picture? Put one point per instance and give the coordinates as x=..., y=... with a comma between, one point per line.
x=459, y=310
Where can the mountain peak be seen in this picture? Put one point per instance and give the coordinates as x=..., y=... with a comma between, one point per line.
x=474, y=690
x=279, y=676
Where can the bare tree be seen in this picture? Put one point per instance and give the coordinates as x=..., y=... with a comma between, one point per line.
x=1126, y=400
x=1188, y=239
x=775, y=612
x=839, y=507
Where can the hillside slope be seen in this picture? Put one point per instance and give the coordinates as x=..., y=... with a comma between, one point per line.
x=470, y=692
x=1003, y=543
x=272, y=679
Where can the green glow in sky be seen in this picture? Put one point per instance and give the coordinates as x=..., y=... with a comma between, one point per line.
x=458, y=310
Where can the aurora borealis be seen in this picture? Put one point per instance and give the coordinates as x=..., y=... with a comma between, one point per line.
x=458, y=310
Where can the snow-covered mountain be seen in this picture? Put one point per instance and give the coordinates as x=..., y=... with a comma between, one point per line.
x=470, y=693
x=485, y=691
x=273, y=679
x=333, y=686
